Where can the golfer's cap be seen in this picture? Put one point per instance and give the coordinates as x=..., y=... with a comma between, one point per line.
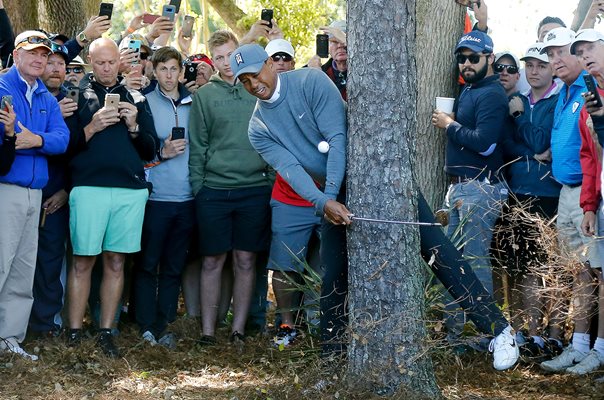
x=558, y=37
x=78, y=61
x=248, y=59
x=279, y=46
x=585, y=35
x=477, y=41
x=507, y=54
x=534, y=51
x=30, y=40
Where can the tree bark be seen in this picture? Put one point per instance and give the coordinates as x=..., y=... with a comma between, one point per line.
x=439, y=26
x=91, y=7
x=62, y=16
x=388, y=349
x=23, y=14
x=231, y=14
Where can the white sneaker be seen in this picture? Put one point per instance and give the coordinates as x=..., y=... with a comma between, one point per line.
x=589, y=364
x=568, y=358
x=149, y=338
x=16, y=349
x=504, y=349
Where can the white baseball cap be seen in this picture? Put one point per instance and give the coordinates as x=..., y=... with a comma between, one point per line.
x=508, y=54
x=534, y=51
x=558, y=37
x=279, y=46
x=585, y=35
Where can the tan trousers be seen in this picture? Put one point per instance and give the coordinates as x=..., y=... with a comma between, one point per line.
x=19, y=219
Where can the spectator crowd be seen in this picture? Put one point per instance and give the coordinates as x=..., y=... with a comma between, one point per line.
x=139, y=172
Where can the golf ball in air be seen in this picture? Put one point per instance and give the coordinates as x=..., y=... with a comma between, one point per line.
x=323, y=147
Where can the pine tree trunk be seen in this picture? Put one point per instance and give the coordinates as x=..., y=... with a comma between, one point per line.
x=386, y=297
x=23, y=14
x=439, y=26
x=62, y=16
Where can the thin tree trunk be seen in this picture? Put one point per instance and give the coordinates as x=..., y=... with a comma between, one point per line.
x=439, y=25
x=231, y=14
x=580, y=13
x=388, y=348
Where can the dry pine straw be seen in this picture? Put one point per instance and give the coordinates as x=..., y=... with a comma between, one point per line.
x=260, y=371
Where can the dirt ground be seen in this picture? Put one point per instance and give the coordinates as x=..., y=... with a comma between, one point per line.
x=258, y=371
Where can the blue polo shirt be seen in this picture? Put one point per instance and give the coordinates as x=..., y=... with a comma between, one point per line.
x=566, y=139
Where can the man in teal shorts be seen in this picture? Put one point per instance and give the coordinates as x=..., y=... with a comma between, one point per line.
x=109, y=141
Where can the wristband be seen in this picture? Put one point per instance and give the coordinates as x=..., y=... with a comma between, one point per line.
x=130, y=30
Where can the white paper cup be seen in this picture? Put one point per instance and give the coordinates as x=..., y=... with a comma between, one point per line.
x=445, y=104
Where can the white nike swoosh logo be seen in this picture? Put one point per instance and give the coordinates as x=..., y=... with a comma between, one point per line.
x=301, y=115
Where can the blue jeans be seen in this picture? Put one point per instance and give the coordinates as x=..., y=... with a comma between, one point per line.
x=475, y=206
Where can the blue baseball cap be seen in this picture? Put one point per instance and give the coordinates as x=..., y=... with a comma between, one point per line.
x=247, y=59
x=477, y=41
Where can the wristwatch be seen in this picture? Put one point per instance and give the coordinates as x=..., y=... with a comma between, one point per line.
x=82, y=37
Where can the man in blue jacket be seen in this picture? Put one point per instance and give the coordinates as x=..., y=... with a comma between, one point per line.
x=474, y=152
x=40, y=131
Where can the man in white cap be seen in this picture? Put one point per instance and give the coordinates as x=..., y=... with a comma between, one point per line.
x=507, y=65
x=588, y=46
x=337, y=65
x=75, y=71
x=566, y=168
x=282, y=53
x=40, y=131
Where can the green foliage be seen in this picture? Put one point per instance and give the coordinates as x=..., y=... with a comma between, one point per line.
x=298, y=19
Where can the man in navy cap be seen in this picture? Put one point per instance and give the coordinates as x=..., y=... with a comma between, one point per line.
x=474, y=153
x=299, y=128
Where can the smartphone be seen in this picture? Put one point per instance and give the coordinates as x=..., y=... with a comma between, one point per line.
x=6, y=99
x=149, y=18
x=190, y=72
x=136, y=46
x=267, y=15
x=591, y=87
x=73, y=93
x=187, y=26
x=136, y=69
x=323, y=45
x=169, y=11
x=176, y=4
x=112, y=100
x=106, y=9
x=178, y=132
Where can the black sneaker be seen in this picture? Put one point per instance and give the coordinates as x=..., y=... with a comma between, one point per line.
x=206, y=340
x=74, y=337
x=554, y=348
x=237, y=338
x=105, y=342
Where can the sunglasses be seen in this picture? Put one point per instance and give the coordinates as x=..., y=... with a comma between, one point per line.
x=75, y=70
x=59, y=48
x=144, y=56
x=473, y=58
x=36, y=40
x=511, y=69
x=281, y=56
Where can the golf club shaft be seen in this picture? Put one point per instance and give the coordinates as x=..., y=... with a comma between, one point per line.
x=387, y=221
